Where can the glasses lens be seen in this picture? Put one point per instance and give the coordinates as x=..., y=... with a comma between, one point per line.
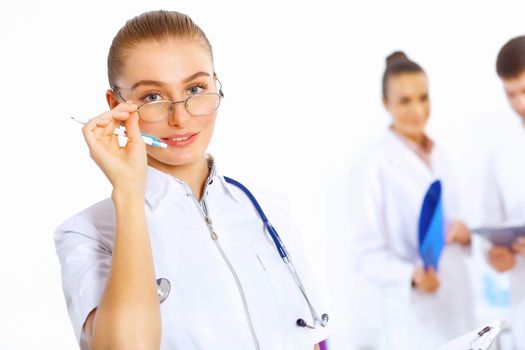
x=155, y=111
x=203, y=104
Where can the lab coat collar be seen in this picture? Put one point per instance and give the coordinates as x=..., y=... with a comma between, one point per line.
x=158, y=184
x=405, y=156
x=423, y=152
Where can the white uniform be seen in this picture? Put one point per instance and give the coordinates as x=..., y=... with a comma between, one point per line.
x=220, y=289
x=504, y=201
x=387, y=190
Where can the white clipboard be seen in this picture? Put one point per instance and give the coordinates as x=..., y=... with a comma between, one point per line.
x=479, y=339
x=503, y=235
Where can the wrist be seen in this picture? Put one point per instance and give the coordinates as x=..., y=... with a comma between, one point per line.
x=466, y=242
x=128, y=196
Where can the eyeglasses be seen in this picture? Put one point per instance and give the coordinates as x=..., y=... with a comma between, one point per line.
x=196, y=105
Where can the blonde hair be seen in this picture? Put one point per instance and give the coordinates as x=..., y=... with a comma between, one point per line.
x=153, y=25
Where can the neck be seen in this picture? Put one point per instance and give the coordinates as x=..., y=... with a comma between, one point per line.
x=193, y=174
x=419, y=139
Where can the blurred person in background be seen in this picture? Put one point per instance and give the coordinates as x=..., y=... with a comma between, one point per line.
x=503, y=189
x=423, y=308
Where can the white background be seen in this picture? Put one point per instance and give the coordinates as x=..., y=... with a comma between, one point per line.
x=302, y=85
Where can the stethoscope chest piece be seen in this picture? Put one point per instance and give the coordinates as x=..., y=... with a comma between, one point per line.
x=163, y=289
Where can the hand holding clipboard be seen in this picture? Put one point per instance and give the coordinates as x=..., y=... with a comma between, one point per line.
x=502, y=235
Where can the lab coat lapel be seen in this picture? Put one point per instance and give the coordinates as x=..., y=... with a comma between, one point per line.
x=405, y=158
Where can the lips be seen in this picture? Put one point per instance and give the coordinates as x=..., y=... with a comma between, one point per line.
x=180, y=140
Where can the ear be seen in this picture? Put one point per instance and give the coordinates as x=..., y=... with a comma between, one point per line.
x=112, y=98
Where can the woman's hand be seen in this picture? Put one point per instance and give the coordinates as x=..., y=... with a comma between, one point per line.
x=519, y=246
x=125, y=167
x=501, y=258
x=128, y=315
x=458, y=233
x=425, y=280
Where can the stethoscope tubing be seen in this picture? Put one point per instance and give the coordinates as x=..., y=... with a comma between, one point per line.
x=283, y=254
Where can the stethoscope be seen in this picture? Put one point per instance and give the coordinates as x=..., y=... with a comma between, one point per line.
x=164, y=287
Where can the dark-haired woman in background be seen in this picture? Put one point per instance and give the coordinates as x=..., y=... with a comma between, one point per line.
x=423, y=308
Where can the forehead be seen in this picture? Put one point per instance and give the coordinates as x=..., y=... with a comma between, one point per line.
x=515, y=84
x=408, y=84
x=169, y=61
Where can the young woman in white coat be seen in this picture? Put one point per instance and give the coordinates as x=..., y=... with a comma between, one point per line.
x=178, y=257
x=422, y=308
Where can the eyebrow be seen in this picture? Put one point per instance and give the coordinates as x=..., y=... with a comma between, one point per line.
x=160, y=83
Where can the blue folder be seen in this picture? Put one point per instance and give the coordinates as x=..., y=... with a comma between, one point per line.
x=431, y=231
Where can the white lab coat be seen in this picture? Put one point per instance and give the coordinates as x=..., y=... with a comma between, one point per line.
x=204, y=309
x=504, y=201
x=387, y=190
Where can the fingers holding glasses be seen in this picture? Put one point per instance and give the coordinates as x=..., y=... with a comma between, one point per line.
x=114, y=116
x=124, y=166
x=133, y=129
x=119, y=114
x=100, y=130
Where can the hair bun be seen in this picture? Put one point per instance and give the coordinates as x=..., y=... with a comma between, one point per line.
x=395, y=57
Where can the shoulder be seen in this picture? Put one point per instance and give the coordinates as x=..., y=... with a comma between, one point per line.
x=367, y=164
x=508, y=144
x=96, y=222
x=381, y=148
x=502, y=135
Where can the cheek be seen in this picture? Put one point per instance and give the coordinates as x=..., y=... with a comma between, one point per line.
x=518, y=101
x=208, y=122
x=153, y=129
x=426, y=109
x=206, y=126
x=401, y=113
x=404, y=118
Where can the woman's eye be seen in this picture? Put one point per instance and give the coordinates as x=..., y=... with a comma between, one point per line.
x=152, y=98
x=195, y=90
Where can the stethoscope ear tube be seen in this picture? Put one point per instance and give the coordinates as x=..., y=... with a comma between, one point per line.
x=301, y=323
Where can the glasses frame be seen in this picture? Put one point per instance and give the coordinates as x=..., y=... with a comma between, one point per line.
x=116, y=89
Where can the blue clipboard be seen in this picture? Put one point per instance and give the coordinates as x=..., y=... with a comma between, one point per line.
x=431, y=232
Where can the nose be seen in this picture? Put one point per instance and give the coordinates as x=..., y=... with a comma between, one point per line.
x=178, y=114
x=419, y=110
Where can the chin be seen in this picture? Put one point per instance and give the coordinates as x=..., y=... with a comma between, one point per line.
x=419, y=131
x=418, y=128
x=176, y=159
